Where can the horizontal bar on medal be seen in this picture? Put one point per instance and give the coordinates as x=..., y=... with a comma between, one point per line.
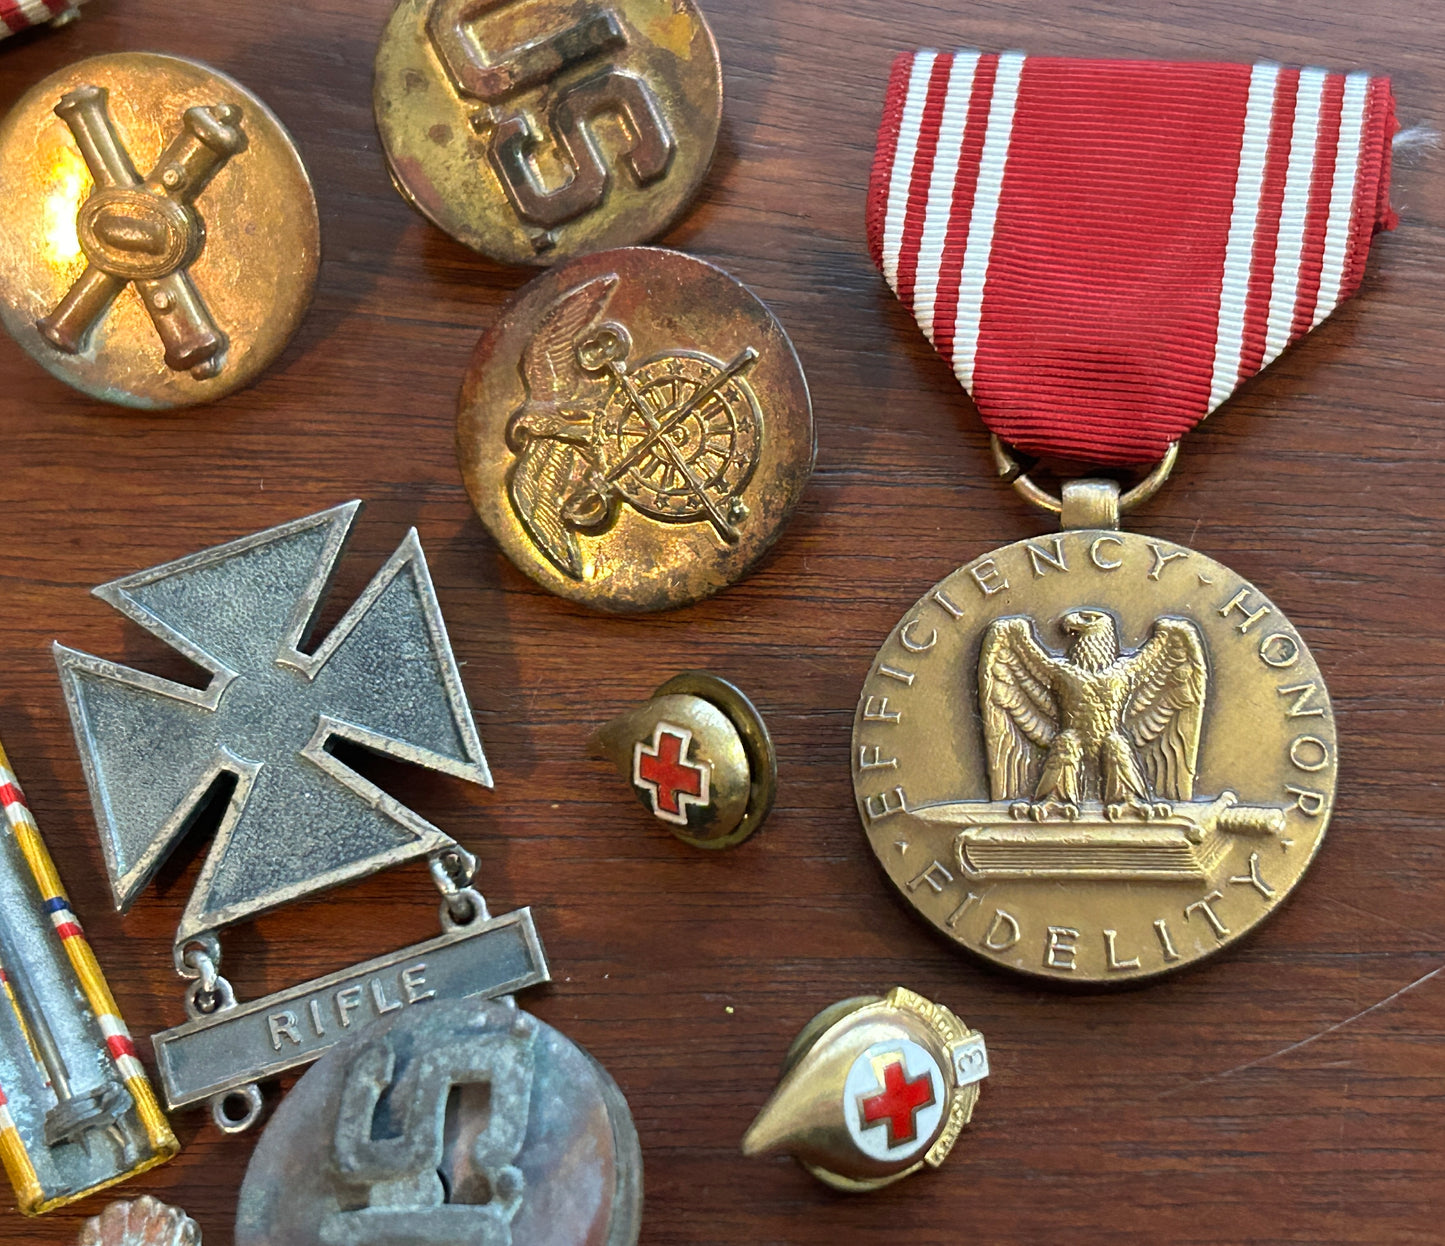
x=283, y=1031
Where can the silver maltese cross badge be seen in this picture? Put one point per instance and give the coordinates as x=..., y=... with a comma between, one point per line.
x=299, y=820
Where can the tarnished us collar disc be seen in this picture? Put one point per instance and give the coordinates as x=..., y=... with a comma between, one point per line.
x=1094, y=756
x=161, y=238
x=534, y=130
x=635, y=429
x=453, y=1121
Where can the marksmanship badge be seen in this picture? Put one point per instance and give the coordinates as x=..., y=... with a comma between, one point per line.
x=298, y=820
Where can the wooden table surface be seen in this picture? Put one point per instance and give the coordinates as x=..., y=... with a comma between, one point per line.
x=1289, y=1090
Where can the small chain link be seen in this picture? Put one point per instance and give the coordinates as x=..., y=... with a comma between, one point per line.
x=452, y=870
x=1012, y=472
x=207, y=971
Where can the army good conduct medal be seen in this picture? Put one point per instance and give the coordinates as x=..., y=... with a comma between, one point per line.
x=76, y=1111
x=635, y=430
x=298, y=819
x=458, y=1121
x=533, y=130
x=1096, y=756
x=162, y=241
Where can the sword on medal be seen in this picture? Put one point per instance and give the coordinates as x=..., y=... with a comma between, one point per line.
x=297, y=819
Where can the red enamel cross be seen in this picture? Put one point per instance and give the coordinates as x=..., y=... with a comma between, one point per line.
x=898, y=1102
x=663, y=771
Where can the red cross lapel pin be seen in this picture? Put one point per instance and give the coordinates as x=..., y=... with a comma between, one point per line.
x=881, y=1088
x=698, y=757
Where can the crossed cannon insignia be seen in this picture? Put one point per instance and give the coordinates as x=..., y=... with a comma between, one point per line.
x=145, y=232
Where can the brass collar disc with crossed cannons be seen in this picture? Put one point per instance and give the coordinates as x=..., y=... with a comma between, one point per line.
x=1094, y=756
x=535, y=130
x=162, y=240
x=635, y=430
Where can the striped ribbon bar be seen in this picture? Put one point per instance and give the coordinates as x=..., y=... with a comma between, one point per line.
x=40, y=1184
x=1103, y=251
x=18, y=15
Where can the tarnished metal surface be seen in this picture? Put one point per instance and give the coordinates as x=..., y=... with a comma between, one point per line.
x=146, y=1221
x=161, y=239
x=299, y=821
x=535, y=130
x=873, y=1088
x=263, y=1038
x=635, y=430
x=449, y=1122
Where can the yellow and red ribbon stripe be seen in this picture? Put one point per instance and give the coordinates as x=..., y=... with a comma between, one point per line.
x=18, y=15
x=93, y=985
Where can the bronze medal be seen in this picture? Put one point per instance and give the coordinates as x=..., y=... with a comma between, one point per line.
x=1094, y=756
x=635, y=430
x=162, y=238
x=533, y=130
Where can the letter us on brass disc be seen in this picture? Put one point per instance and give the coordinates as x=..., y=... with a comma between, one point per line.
x=1094, y=756
x=635, y=429
x=161, y=239
x=535, y=130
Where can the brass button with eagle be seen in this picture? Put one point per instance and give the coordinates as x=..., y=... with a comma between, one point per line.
x=161, y=240
x=635, y=430
x=1094, y=756
x=535, y=130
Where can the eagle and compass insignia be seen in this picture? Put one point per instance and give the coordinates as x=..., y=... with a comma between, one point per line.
x=1094, y=756
x=675, y=436
x=635, y=430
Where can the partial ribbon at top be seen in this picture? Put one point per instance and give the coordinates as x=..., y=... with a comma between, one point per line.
x=1104, y=251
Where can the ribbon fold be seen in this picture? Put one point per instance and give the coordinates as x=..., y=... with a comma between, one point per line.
x=1103, y=251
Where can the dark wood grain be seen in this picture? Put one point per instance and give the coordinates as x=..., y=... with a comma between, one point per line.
x=1290, y=1090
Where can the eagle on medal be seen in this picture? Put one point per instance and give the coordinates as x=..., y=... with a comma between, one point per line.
x=554, y=485
x=1092, y=723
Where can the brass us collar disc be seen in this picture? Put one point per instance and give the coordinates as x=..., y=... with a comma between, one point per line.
x=1098, y=648
x=534, y=130
x=635, y=430
x=249, y=244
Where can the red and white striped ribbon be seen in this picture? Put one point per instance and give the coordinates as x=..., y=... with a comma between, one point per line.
x=18, y=15
x=1104, y=250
